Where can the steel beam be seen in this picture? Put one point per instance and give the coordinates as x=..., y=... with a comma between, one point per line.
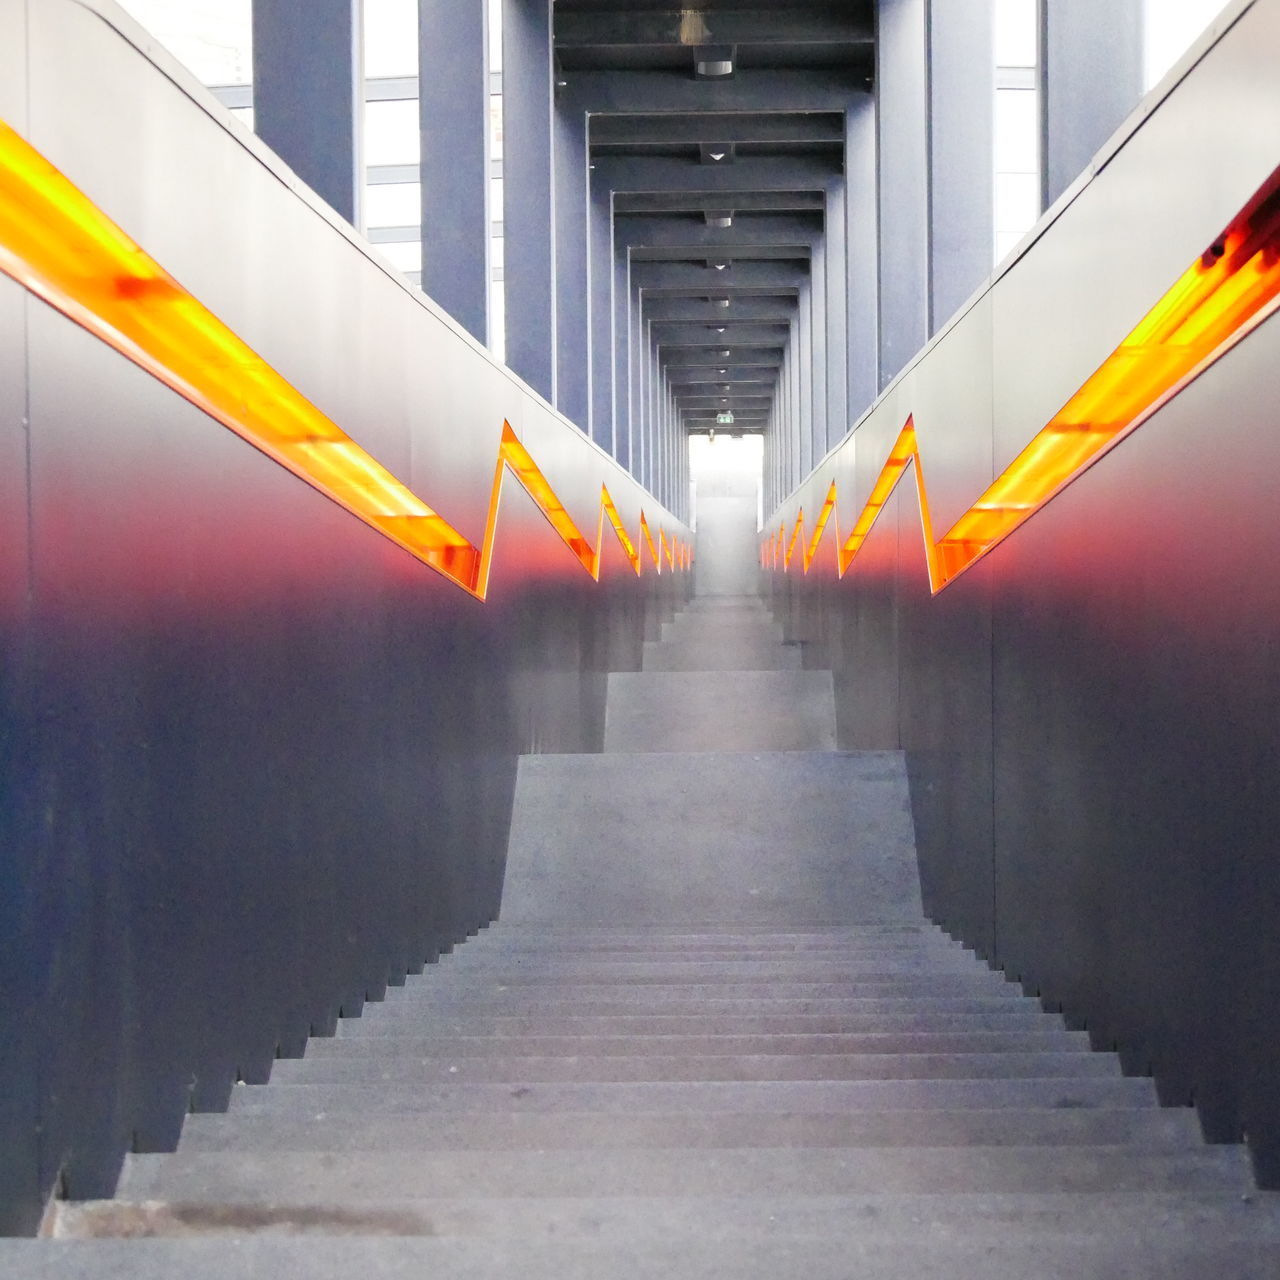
x=757, y=173
x=739, y=274
x=688, y=309
x=1090, y=79
x=800, y=127
x=784, y=201
x=645, y=92
x=961, y=157
x=453, y=114
x=573, y=334
x=687, y=28
x=682, y=335
x=529, y=269
x=903, y=152
x=308, y=94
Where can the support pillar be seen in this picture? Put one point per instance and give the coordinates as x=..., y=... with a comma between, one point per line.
x=571, y=270
x=862, y=238
x=902, y=119
x=528, y=189
x=961, y=155
x=453, y=108
x=1090, y=79
x=308, y=94
x=837, y=316
x=600, y=331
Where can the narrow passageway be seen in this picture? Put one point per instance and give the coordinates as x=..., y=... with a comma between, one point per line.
x=711, y=1035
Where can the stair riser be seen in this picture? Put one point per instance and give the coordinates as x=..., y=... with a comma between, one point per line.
x=339, y=1179
x=383, y=1020
x=756, y=1097
x=1146, y=1129
x=451, y=1047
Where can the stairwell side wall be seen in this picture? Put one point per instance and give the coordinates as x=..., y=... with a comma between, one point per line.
x=257, y=762
x=1091, y=713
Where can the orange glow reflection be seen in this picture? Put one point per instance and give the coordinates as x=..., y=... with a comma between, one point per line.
x=61, y=247
x=1227, y=291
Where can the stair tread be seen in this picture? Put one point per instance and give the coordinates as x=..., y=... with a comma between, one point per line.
x=742, y=1096
x=321, y=1131
x=1243, y=1249
x=345, y=1177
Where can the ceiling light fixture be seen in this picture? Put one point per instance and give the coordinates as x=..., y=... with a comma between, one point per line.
x=713, y=62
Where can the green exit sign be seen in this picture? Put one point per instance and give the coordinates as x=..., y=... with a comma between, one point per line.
x=724, y=417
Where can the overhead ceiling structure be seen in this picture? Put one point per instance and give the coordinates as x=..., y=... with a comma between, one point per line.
x=716, y=136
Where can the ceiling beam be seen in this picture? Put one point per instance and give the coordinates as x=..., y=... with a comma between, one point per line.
x=688, y=28
x=795, y=127
x=690, y=309
x=644, y=92
x=750, y=173
x=658, y=202
x=702, y=276
x=704, y=335
x=795, y=234
x=743, y=357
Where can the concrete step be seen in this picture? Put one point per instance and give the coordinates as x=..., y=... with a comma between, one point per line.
x=1147, y=1129
x=451, y=1047
x=976, y=1016
x=801, y=987
x=349, y=1177
x=656, y=1252
x=709, y=932
x=750, y=1097
x=380, y=1068
x=497, y=944
x=659, y=1003
x=723, y=650
x=784, y=710
x=537, y=968
x=682, y=837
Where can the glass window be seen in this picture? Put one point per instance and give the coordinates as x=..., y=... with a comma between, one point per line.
x=1017, y=33
x=213, y=39
x=1170, y=28
x=391, y=37
x=393, y=204
x=1016, y=141
x=391, y=132
x=404, y=256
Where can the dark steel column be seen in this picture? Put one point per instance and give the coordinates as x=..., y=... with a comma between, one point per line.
x=308, y=91
x=528, y=191
x=1090, y=79
x=454, y=113
x=902, y=119
x=961, y=162
x=804, y=377
x=862, y=237
x=837, y=282
x=571, y=252
x=818, y=348
x=621, y=367
x=600, y=330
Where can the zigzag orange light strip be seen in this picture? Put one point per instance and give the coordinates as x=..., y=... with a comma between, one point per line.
x=59, y=245
x=1225, y=293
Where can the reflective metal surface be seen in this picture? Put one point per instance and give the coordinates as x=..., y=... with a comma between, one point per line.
x=1090, y=712
x=257, y=761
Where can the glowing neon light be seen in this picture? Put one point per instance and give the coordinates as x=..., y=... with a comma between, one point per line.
x=62, y=248
x=1222, y=296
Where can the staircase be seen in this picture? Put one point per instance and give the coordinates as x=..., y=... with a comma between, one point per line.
x=711, y=1036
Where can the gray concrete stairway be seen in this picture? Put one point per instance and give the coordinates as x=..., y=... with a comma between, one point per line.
x=711, y=1037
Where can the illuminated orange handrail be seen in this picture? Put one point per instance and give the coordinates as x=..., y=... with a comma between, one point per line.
x=61, y=247
x=1222, y=296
